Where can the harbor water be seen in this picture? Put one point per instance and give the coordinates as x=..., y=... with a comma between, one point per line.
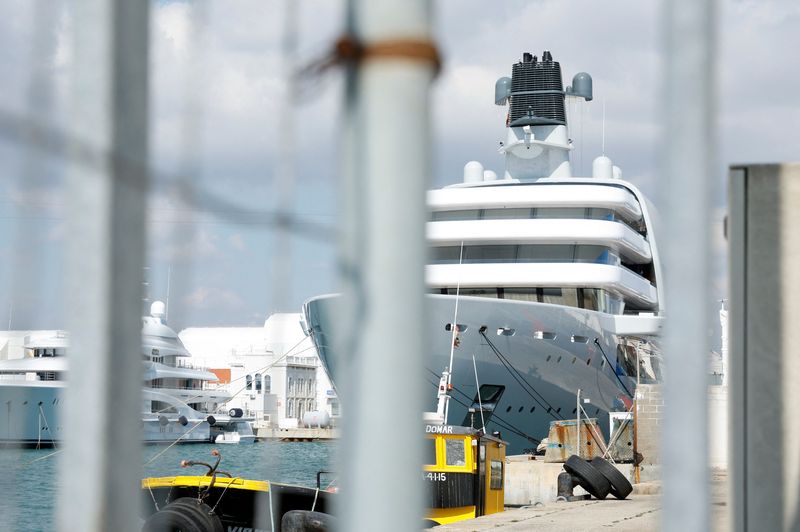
x=29, y=481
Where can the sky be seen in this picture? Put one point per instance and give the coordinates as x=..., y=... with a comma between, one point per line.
x=218, y=112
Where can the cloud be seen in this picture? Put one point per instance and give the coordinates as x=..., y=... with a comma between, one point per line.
x=213, y=298
x=237, y=242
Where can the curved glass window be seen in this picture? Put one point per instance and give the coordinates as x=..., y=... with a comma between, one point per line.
x=586, y=298
x=267, y=384
x=258, y=382
x=249, y=381
x=552, y=213
x=546, y=253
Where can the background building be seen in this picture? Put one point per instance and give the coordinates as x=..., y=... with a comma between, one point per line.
x=273, y=371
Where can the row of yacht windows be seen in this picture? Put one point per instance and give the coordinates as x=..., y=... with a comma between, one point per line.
x=586, y=298
x=552, y=213
x=47, y=352
x=524, y=253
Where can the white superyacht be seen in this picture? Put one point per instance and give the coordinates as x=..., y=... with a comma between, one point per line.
x=556, y=277
x=176, y=397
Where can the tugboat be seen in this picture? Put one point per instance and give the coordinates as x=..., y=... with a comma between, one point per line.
x=219, y=501
x=464, y=468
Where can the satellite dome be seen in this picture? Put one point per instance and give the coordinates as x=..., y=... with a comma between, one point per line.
x=158, y=309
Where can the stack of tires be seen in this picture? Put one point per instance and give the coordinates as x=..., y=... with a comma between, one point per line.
x=598, y=477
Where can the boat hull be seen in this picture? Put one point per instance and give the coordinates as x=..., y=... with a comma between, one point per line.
x=31, y=414
x=541, y=353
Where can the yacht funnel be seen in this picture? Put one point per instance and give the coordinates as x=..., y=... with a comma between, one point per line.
x=537, y=92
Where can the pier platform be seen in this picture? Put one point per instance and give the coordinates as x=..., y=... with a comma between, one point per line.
x=298, y=434
x=640, y=511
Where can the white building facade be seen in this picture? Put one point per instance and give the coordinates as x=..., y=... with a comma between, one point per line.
x=273, y=371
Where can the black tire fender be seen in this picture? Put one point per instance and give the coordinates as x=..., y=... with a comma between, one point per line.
x=620, y=487
x=588, y=476
x=186, y=514
x=307, y=521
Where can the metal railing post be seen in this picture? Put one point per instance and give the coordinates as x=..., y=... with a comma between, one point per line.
x=687, y=185
x=382, y=257
x=105, y=257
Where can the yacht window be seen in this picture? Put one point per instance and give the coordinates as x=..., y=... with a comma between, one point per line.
x=446, y=216
x=454, y=452
x=506, y=214
x=544, y=213
x=474, y=292
x=525, y=253
x=258, y=382
x=249, y=382
x=560, y=296
x=430, y=451
x=522, y=294
x=626, y=360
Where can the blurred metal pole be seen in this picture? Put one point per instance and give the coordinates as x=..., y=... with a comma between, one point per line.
x=764, y=236
x=105, y=257
x=688, y=181
x=285, y=167
x=381, y=322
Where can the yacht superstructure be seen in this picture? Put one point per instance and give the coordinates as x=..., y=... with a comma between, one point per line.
x=176, y=398
x=556, y=276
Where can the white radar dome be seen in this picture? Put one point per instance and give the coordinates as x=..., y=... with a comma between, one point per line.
x=158, y=309
x=473, y=172
x=602, y=168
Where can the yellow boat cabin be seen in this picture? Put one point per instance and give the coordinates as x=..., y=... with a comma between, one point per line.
x=464, y=472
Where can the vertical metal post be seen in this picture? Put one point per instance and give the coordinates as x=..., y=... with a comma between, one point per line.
x=105, y=257
x=687, y=184
x=578, y=425
x=386, y=167
x=764, y=234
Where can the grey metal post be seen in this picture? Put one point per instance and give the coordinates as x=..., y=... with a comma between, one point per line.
x=687, y=181
x=764, y=236
x=386, y=169
x=105, y=258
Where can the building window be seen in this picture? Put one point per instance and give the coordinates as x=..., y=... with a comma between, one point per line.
x=291, y=386
x=249, y=381
x=267, y=384
x=258, y=382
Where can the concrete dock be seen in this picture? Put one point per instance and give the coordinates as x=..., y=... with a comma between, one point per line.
x=641, y=511
x=298, y=434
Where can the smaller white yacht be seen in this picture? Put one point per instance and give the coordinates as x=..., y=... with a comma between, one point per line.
x=179, y=401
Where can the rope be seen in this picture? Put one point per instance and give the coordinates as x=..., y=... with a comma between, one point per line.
x=348, y=50
x=42, y=458
x=314, y=504
x=153, y=459
x=496, y=419
x=521, y=380
x=612, y=367
x=478, y=385
x=41, y=412
x=152, y=496
x=230, y=481
x=268, y=366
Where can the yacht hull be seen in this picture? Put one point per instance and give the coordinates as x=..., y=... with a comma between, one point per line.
x=541, y=353
x=31, y=415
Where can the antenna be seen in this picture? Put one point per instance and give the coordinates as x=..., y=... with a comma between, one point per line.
x=454, y=330
x=166, y=306
x=604, y=126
